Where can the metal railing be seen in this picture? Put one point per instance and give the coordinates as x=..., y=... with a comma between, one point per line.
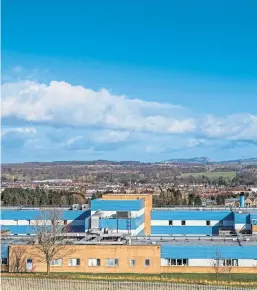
x=11, y=283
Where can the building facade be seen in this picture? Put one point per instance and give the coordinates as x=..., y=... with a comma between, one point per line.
x=123, y=233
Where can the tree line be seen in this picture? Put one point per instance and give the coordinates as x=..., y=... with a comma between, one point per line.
x=39, y=197
x=173, y=196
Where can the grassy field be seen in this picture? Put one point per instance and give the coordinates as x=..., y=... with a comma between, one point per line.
x=230, y=175
x=242, y=278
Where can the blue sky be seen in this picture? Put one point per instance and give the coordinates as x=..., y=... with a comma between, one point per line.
x=124, y=80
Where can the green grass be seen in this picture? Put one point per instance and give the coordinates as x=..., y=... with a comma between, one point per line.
x=230, y=175
x=142, y=277
x=211, y=277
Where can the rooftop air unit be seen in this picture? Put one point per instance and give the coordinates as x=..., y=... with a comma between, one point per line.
x=75, y=207
x=84, y=206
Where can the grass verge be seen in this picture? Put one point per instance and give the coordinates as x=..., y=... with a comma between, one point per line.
x=189, y=278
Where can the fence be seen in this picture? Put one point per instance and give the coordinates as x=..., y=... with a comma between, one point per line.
x=11, y=283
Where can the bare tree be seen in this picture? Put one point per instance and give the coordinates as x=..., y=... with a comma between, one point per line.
x=218, y=264
x=50, y=238
x=18, y=260
x=229, y=267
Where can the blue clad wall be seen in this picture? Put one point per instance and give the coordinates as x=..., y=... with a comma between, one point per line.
x=184, y=230
x=242, y=218
x=77, y=217
x=117, y=205
x=208, y=252
x=7, y=214
x=191, y=215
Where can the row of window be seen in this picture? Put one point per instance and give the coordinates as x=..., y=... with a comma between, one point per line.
x=53, y=222
x=175, y=262
x=132, y=262
x=94, y=262
x=227, y=262
x=183, y=222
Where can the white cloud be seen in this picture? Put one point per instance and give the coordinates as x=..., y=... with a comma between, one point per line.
x=21, y=130
x=60, y=103
x=236, y=126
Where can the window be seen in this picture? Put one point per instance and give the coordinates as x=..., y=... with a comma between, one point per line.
x=94, y=262
x=170, y=222
x=227, y=262
x=132, y=262
x=73, y=262
x=56, y=262
x=29, y=264
x=174, y=262
x=4, y=261
x=147, y=263
x=112, y=262
x=208, y=222
x=183, y=222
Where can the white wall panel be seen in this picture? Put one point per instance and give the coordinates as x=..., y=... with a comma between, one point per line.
x=46, y=222
x=247, y=263
x=214, y=222
x=138, y=213
x=179, y=223
x=23, y=222
x=9, y=222
x=200, y=262
x=159, y=222
x=176, y=222
x=209, y=263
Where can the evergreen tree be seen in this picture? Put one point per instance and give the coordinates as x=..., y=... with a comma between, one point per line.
x=191, y=199
x=198, y=200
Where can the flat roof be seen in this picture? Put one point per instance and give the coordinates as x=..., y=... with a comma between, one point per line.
x=246, y=240
x=198, y=242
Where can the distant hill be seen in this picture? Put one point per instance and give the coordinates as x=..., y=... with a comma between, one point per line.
x=239, y=161
x=191, y=161
x=204, y=161
x=196, y=160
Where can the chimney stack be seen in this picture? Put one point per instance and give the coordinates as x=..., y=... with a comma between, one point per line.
x=242, y=200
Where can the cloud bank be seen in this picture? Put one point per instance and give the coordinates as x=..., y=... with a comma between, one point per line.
x=74, y=119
